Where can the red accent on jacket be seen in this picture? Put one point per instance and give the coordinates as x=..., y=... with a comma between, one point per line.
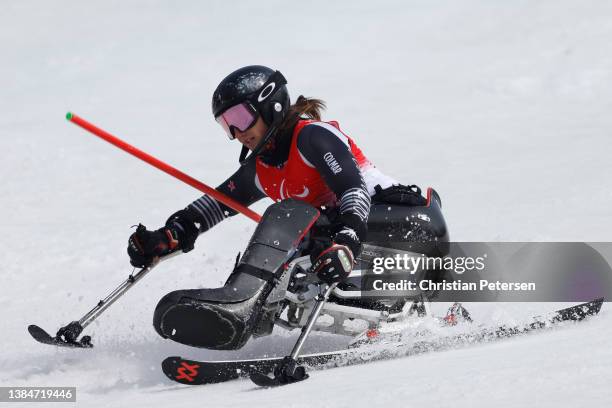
x=297, y=179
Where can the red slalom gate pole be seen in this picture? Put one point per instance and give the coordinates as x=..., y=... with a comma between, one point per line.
x=166, y=168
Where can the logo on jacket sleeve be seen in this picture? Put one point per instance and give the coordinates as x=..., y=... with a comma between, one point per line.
x=332, y=163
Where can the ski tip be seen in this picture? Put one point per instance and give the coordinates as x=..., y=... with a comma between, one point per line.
x=39, y=334
x=69, y=116
x=34, y=329
x=598, y=303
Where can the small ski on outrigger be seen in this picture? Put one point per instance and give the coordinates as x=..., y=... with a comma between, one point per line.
x=193, y=372
x=68, y=335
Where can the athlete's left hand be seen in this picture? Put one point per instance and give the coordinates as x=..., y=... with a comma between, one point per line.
x=334, y=264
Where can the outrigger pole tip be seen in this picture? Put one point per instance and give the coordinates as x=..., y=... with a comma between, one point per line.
x=69, y=116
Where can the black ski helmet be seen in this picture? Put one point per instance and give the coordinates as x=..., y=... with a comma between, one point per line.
x=263, y=87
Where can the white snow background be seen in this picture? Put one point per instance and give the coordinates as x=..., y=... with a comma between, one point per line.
x=503, y=106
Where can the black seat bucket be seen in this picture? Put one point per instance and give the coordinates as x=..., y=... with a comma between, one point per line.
x=420, y=229
x=224, y=318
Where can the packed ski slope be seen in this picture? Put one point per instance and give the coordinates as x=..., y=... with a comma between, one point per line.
x=502, y=106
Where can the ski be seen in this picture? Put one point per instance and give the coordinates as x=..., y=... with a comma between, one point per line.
x=192, y=372
x=197, y=372
x=41, y=336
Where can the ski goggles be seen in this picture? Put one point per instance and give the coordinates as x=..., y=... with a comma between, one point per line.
x=242, y=117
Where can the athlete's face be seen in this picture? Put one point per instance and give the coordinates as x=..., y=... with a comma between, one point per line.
x=252, y=136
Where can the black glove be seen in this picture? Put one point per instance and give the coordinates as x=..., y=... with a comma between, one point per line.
x=349, y=238
x=334, y=264
x=184, y=223
x=180, y=232
x=145, y=245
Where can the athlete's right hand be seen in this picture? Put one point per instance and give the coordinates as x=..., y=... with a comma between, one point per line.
x=180, y=232
x=145, y=245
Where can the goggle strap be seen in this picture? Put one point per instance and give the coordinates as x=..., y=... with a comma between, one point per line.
x=243, y=154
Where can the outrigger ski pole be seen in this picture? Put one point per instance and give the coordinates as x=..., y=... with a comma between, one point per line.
x=67, y=335
x=288, y=371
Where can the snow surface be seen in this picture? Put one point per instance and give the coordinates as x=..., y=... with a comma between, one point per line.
x=504, y=107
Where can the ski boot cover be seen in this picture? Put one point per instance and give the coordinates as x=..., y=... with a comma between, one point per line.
x=225, y=318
